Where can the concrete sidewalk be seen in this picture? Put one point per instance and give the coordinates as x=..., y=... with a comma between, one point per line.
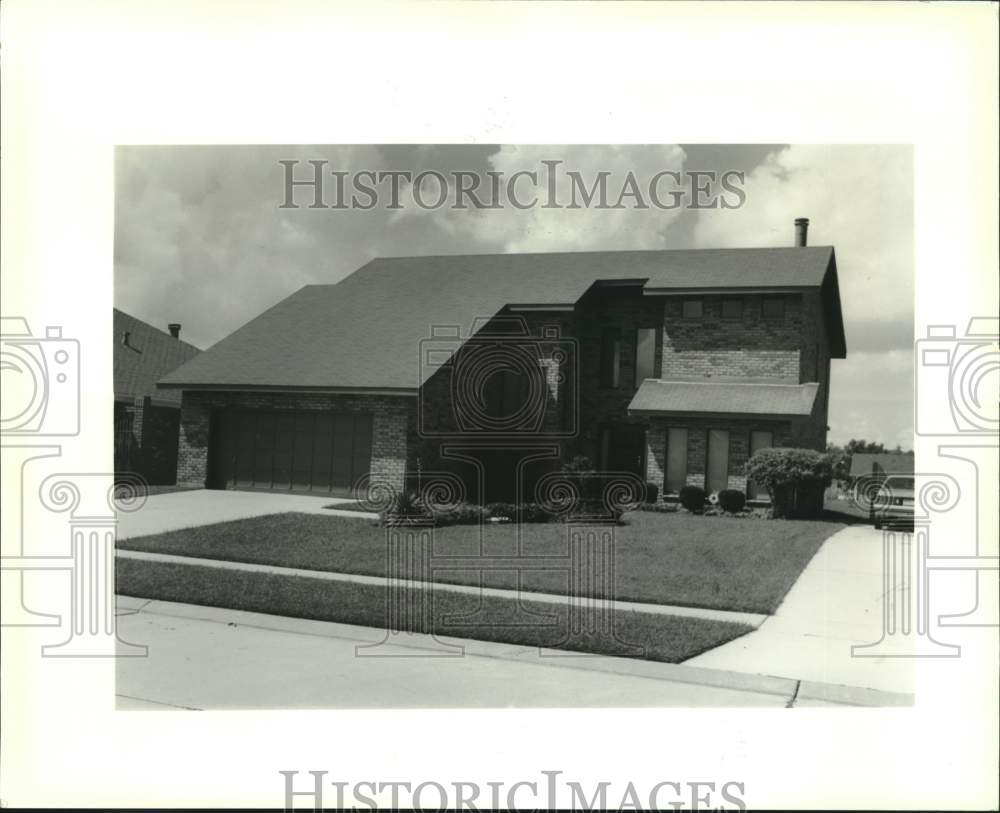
x=187, y=509
x=836, y=602
x=211, y=658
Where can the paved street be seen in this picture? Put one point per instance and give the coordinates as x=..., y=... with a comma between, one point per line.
x=209, y=658
x=837, y=602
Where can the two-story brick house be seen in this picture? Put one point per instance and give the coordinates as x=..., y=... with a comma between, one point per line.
x=675, y=365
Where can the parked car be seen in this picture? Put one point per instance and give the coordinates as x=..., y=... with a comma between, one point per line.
x=892, y=506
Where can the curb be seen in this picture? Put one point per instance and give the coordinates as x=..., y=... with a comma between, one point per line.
x=788, y=688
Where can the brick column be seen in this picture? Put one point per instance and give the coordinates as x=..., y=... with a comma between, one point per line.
x=192, y=446
x=389, y=448
x=138, y=417
x=656, y=448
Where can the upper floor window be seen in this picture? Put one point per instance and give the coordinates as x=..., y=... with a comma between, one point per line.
x=611, y=346
x=691, y=309
x=645, y=354
x=773, y=308
x=732, y=308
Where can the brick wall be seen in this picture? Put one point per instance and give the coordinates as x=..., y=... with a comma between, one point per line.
x=390, y=417
x=750, y=347
x=697, y=447
x=628, y=310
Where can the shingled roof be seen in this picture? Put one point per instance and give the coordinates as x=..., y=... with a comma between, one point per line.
x=364, y=332
x=149, y=355
x=761, y=398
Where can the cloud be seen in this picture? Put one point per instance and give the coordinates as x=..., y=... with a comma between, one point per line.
x=540, y=229
x=199, y=237
x=858, y=199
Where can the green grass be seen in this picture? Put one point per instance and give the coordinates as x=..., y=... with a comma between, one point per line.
x=712, y=562
x=349, y=506
x=638, y=635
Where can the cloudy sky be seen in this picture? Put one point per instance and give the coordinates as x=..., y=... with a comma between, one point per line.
x=200, y=238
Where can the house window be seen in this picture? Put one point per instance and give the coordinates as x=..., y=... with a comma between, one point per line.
x=691, y=309
x=677, y=460
x=645, y=354
x=773, y=308
x=758, y=441
x=732, y=308
x=717, y=474
x=610, y=357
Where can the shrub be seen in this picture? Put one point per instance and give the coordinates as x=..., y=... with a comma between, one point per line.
x=732, y=501
x=692, y=498
x=535, y=512
x=523, y=512
x=652, y=493
x=461, y=514
x=502, y=510
x=405, y=507
x=795, y=479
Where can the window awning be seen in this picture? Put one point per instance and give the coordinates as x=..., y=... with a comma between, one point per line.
x=707, y=397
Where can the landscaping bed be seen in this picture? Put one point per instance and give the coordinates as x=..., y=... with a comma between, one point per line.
x=677, y=558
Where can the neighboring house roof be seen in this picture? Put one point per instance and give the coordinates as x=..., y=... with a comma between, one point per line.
x=887, y=463
x=689, y=397
x=364, y=332
x=149, y=355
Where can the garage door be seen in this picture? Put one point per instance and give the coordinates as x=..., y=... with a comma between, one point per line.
x=317, y=452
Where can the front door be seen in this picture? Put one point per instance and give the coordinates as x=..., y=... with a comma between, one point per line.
x=624, y=448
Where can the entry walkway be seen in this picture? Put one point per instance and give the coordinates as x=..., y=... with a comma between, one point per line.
x=837, y=602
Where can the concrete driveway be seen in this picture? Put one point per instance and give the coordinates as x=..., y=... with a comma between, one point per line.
x=187, y=509
x=836, y=602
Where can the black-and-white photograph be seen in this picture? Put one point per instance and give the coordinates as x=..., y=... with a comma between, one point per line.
x=491, y=426
x=499, y=406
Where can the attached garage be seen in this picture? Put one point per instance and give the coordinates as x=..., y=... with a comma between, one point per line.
x=316, y=452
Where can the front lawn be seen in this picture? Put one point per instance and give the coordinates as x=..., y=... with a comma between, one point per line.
x=715, y=562
x=530, y=623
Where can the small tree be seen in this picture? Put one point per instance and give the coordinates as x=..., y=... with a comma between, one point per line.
x=795, y=479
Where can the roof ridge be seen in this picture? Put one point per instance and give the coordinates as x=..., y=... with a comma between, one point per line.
x=589, y=252
x=731, y=383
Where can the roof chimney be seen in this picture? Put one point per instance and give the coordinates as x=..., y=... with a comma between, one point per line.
x=175, y=328
x=801, y=230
